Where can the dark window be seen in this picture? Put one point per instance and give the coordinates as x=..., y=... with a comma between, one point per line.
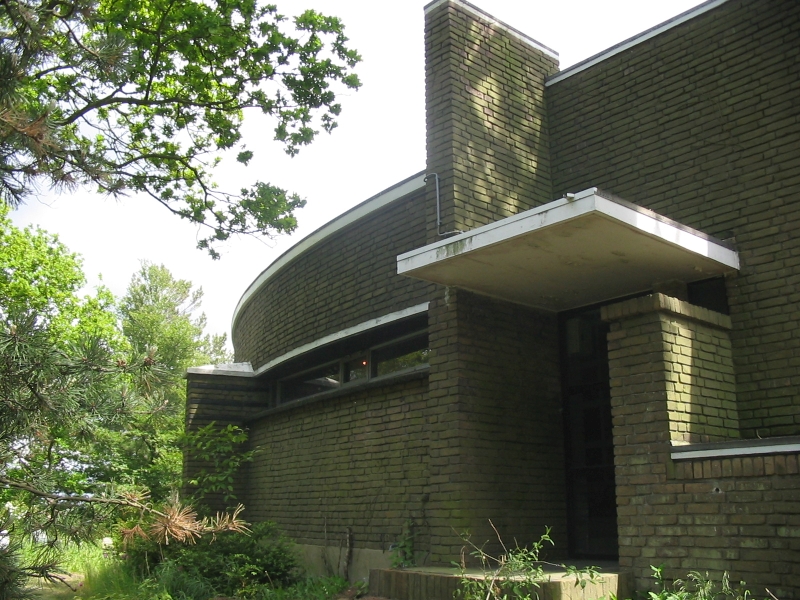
x=311, y=382
x=710, y=294
x=356, y=368
x=390, y=357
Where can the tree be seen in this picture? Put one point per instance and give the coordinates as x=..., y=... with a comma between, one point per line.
x=159, y=316
x=159, y=310
x=86, y=416
x=142, y=95
x=40, y=278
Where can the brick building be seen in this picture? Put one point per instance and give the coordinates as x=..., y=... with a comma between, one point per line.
x=581, y=315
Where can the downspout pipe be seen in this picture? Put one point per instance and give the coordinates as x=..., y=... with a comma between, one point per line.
x=439, y=208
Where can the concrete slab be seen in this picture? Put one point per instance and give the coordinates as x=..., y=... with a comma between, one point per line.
x=572, y=252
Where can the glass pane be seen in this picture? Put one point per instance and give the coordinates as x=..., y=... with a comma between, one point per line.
x=357, y=368
x=313, y=382
x=402, y=355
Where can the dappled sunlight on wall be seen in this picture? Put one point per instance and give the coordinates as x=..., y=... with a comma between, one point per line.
x=487, y=133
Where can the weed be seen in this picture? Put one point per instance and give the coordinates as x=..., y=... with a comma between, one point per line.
x=515, y=573
x=402, y=551
x=697, y=587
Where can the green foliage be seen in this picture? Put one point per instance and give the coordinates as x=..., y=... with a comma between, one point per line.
x=13, y=575
x=229, y=564
x=109, y=578
x=143, y=95
x=516, y=573
x=40, y=279
x=239, y=564
x=112, y=580
x=52, y=401
x=402, y=551
x=159, y=315
x=221, y=449
x=698, y=586
x=312, y=588
x=159, y=311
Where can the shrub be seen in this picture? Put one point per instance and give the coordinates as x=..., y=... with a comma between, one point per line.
x=312, y=588
x=236, y=564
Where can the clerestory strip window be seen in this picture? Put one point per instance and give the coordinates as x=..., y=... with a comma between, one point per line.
x=395, y=356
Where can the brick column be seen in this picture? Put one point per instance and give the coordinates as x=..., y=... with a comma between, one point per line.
x=671, y=381
x=496, y=449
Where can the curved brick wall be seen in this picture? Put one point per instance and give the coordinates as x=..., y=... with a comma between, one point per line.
x=684, y=125
x=345, y=279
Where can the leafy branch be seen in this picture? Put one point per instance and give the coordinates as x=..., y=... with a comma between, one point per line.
x=143, y=96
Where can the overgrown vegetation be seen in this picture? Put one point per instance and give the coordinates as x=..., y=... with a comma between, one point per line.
x=220, y=448
x=516, y=573
x=697, y=586
x=258, y=566
x=402, y=551
x=91, y=404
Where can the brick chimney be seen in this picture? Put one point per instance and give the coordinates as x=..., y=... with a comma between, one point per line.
x=486, y=117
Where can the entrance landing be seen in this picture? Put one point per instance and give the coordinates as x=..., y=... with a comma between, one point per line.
x=440, y=583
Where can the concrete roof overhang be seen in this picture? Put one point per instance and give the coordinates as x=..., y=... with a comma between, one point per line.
x=576, y=251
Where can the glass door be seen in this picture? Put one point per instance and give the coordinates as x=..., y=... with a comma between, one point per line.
x=591, y=489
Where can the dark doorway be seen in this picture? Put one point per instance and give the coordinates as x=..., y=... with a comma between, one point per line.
x=591, y=490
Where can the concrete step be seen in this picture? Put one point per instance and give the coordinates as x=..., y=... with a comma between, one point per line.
x=440, y=583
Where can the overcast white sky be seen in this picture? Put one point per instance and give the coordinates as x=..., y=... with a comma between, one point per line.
x=380, y=140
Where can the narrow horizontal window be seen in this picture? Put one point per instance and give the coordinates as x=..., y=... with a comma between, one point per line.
x=394, y=356
x=318, y=380
x=356, y=368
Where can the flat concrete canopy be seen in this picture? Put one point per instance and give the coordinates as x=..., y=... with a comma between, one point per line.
x=570, y=253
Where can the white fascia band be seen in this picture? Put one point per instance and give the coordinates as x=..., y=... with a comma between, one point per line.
x=344, y=333
x=246, y=370
x=709, y=453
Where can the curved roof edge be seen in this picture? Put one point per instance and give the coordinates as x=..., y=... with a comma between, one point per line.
x=343, y=334
x=633, y=41
x=376, y=202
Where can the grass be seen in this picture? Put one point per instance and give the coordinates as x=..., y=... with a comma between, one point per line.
x=74, y=561
x=103, y=576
